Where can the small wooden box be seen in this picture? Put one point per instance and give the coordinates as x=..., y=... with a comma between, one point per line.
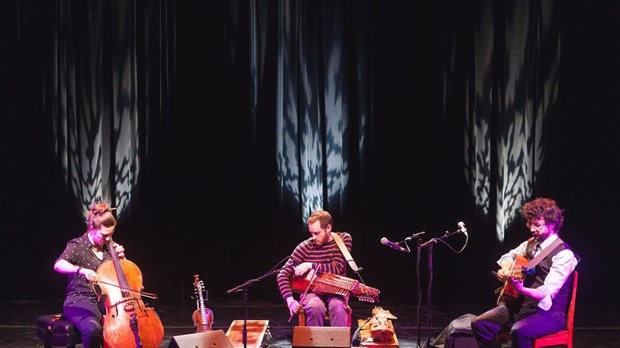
x=321, y=336
x=256, y=331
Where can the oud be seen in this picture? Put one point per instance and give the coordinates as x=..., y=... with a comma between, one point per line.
x=202, y=316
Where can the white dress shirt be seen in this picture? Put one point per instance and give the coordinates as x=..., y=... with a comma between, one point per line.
x=563, y=264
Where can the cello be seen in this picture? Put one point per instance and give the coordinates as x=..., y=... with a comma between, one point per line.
x=128, y=322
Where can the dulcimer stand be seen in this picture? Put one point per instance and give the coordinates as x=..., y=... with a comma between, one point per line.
x=244, y=287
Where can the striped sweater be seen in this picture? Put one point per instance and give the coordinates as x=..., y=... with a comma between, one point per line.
x=327, y=259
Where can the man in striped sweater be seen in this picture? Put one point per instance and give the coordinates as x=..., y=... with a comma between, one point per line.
x=321, y=254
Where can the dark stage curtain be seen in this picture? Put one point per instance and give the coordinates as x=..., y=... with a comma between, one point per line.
x=307, y=69
x=217, y=126
x=501, y=71
x=108, y=87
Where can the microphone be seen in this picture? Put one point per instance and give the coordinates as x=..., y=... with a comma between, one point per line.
x=462, y=227
x=393, y=245
x=416, y=235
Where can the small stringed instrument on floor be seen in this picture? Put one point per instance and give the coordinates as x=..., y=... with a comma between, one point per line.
x=203, y=317
x=507, y=292
x=381, y=328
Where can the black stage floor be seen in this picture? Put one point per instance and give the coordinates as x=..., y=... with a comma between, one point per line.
x=596, y=325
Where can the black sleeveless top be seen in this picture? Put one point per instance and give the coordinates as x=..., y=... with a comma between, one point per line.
x=561, y=300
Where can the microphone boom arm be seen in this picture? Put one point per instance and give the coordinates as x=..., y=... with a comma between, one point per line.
x=445, y=236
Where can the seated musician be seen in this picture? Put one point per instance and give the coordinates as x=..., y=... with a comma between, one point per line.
x=80, y=260
x=321, y=254
x=542, y=299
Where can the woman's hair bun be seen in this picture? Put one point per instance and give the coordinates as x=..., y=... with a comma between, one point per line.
x=100, y=208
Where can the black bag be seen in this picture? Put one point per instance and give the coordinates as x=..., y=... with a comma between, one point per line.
x=56, y=330
x=457, y=334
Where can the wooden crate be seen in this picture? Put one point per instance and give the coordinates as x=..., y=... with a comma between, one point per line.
x=256, y=331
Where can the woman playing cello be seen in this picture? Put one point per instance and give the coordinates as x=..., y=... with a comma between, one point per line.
x=80, y=261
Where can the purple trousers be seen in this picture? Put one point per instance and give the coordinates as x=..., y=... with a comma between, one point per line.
x=524, y=327
x=316, y=306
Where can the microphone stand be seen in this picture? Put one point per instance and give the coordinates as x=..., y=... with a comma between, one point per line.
x=419, y=303
x=428, y=244
x=244, y=287
x=418, y=240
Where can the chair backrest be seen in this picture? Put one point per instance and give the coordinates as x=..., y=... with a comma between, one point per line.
x=570, y=316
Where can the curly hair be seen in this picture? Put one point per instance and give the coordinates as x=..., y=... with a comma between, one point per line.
x=545, y=208
x=324, y=217
x=100, y=214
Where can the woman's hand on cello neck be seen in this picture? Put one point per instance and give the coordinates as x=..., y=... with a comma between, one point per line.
x=115, y=247
x=120, y=250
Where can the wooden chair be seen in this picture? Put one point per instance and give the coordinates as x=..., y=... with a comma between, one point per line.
x=565, y=336
x=302, y=314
